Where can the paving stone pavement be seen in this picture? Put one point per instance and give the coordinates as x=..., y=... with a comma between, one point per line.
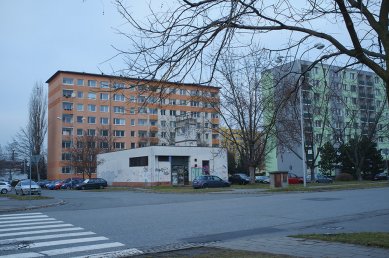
x=302, y=248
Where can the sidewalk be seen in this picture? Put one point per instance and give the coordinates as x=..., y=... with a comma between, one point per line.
x=12, y=205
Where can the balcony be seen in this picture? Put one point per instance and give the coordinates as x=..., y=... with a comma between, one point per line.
x=153, y=128
x=153, y=117
x=154, y=140
x=215, y=142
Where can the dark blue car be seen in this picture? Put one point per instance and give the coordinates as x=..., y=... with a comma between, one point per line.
x=206, y=181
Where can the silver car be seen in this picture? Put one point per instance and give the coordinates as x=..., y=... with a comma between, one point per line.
x=5, y=187
x=23, y=187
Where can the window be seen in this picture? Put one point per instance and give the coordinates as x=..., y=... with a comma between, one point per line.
x=133, y=145
x=172, y=102
x=91, y=120
x=104, y=96
x=91, y=95
x=163, y=112
x=132, y=122
x=141, y=99
x=104, y=145
x=163, y=123
x=183, y=102
x=104, y=85
x=182, y=92
x=80, y=132
x=132, y=133
x=172, y=112
x=318, y=123
x=91, y=83
x=104, y=120
x=118, y=110
x=132, y=111
x=172, y=124
x=142, y=134
x=119, y=121
x=66, y=170
x=118, y=145
x=142, y=121
x=173, y=91
x=80, y=82
x=80, y=107
x=139, y=161
x=214, y=115
x=66, y=156
x=104, y=108
x=118, y=97
x=80, y=94
x=67, y=81
x=91, y=108
x=153, y=111
x=195, y=103
x=118, y=133
x=104, y=132
x=91, y=132
x=163, y=134
x=132, y=99
x=195, y=114
x=142, y=110
x=67, y=93
x=153, y=122
x=67, y=106
x=80, y=119
x=118, y=85
x=66, y=144
x=353, y=88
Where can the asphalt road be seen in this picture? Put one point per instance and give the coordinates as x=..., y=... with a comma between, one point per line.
x=150, y=220
x=145, y=220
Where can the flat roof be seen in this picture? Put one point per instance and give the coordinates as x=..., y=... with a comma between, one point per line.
x=102, y=75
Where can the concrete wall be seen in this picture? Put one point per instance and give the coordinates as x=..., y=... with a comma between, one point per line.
x=116, y=170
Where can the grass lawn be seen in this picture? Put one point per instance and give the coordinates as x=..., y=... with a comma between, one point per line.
x=376, y=239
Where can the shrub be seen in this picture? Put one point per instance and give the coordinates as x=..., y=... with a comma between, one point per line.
x=344, y=177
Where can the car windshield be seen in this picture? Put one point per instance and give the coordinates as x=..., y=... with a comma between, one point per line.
x=28, y=183
x=86, y=180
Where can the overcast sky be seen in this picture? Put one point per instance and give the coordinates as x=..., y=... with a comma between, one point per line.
x=42, y=36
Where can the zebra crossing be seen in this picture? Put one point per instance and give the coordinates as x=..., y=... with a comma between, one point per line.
x=27, y=235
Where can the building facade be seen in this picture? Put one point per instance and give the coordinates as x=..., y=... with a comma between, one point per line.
x=335, y=104
x=161, y=165
x=123, y=113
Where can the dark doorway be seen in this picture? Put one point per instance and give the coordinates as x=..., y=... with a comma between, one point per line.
x=180, y=174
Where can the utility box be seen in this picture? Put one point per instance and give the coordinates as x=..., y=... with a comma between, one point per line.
x=278, y=179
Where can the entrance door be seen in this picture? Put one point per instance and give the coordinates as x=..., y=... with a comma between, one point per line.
x=277, y=180
x=180, y=174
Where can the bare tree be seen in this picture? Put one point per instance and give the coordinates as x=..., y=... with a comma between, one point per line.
x=244, y=108
x=30, y=139
x=192, y=35
x=82, y=156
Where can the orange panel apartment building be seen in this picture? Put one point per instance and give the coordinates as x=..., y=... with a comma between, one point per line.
x=134, y=113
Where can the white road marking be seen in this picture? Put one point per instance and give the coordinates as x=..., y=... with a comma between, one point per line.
x=31, y=223
x=67, y=241
x=33, y=238
x=35, y=227
x=21, y=214
x=39, y=231
x=25, y=220
x=24, y=217
x=22, y=255
x=80, y=248
x=122, y=253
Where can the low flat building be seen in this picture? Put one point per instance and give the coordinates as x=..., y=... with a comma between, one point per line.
x=161, y=165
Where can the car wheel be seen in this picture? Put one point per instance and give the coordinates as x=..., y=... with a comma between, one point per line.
x=101, y=187
x=205, y=185
x=83, y=188
x=4, y=191
x=21, y=192
x=68, y=188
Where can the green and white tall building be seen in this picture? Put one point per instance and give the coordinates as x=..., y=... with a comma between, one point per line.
x=337, y=104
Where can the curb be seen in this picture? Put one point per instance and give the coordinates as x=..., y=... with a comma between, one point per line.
x=25, y=208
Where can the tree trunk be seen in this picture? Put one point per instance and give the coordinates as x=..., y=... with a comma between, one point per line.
x=252, y=174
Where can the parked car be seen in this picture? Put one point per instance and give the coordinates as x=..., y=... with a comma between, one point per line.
x=262, y=179
x=42, y=183
x=240, y=178
x=54, y=185
x=23, y=187
x=323, y=179
x=93, y=183
x=381, y=176
x=70, y=183
x=206, y=181
x=5, y=187
x=294, y=179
